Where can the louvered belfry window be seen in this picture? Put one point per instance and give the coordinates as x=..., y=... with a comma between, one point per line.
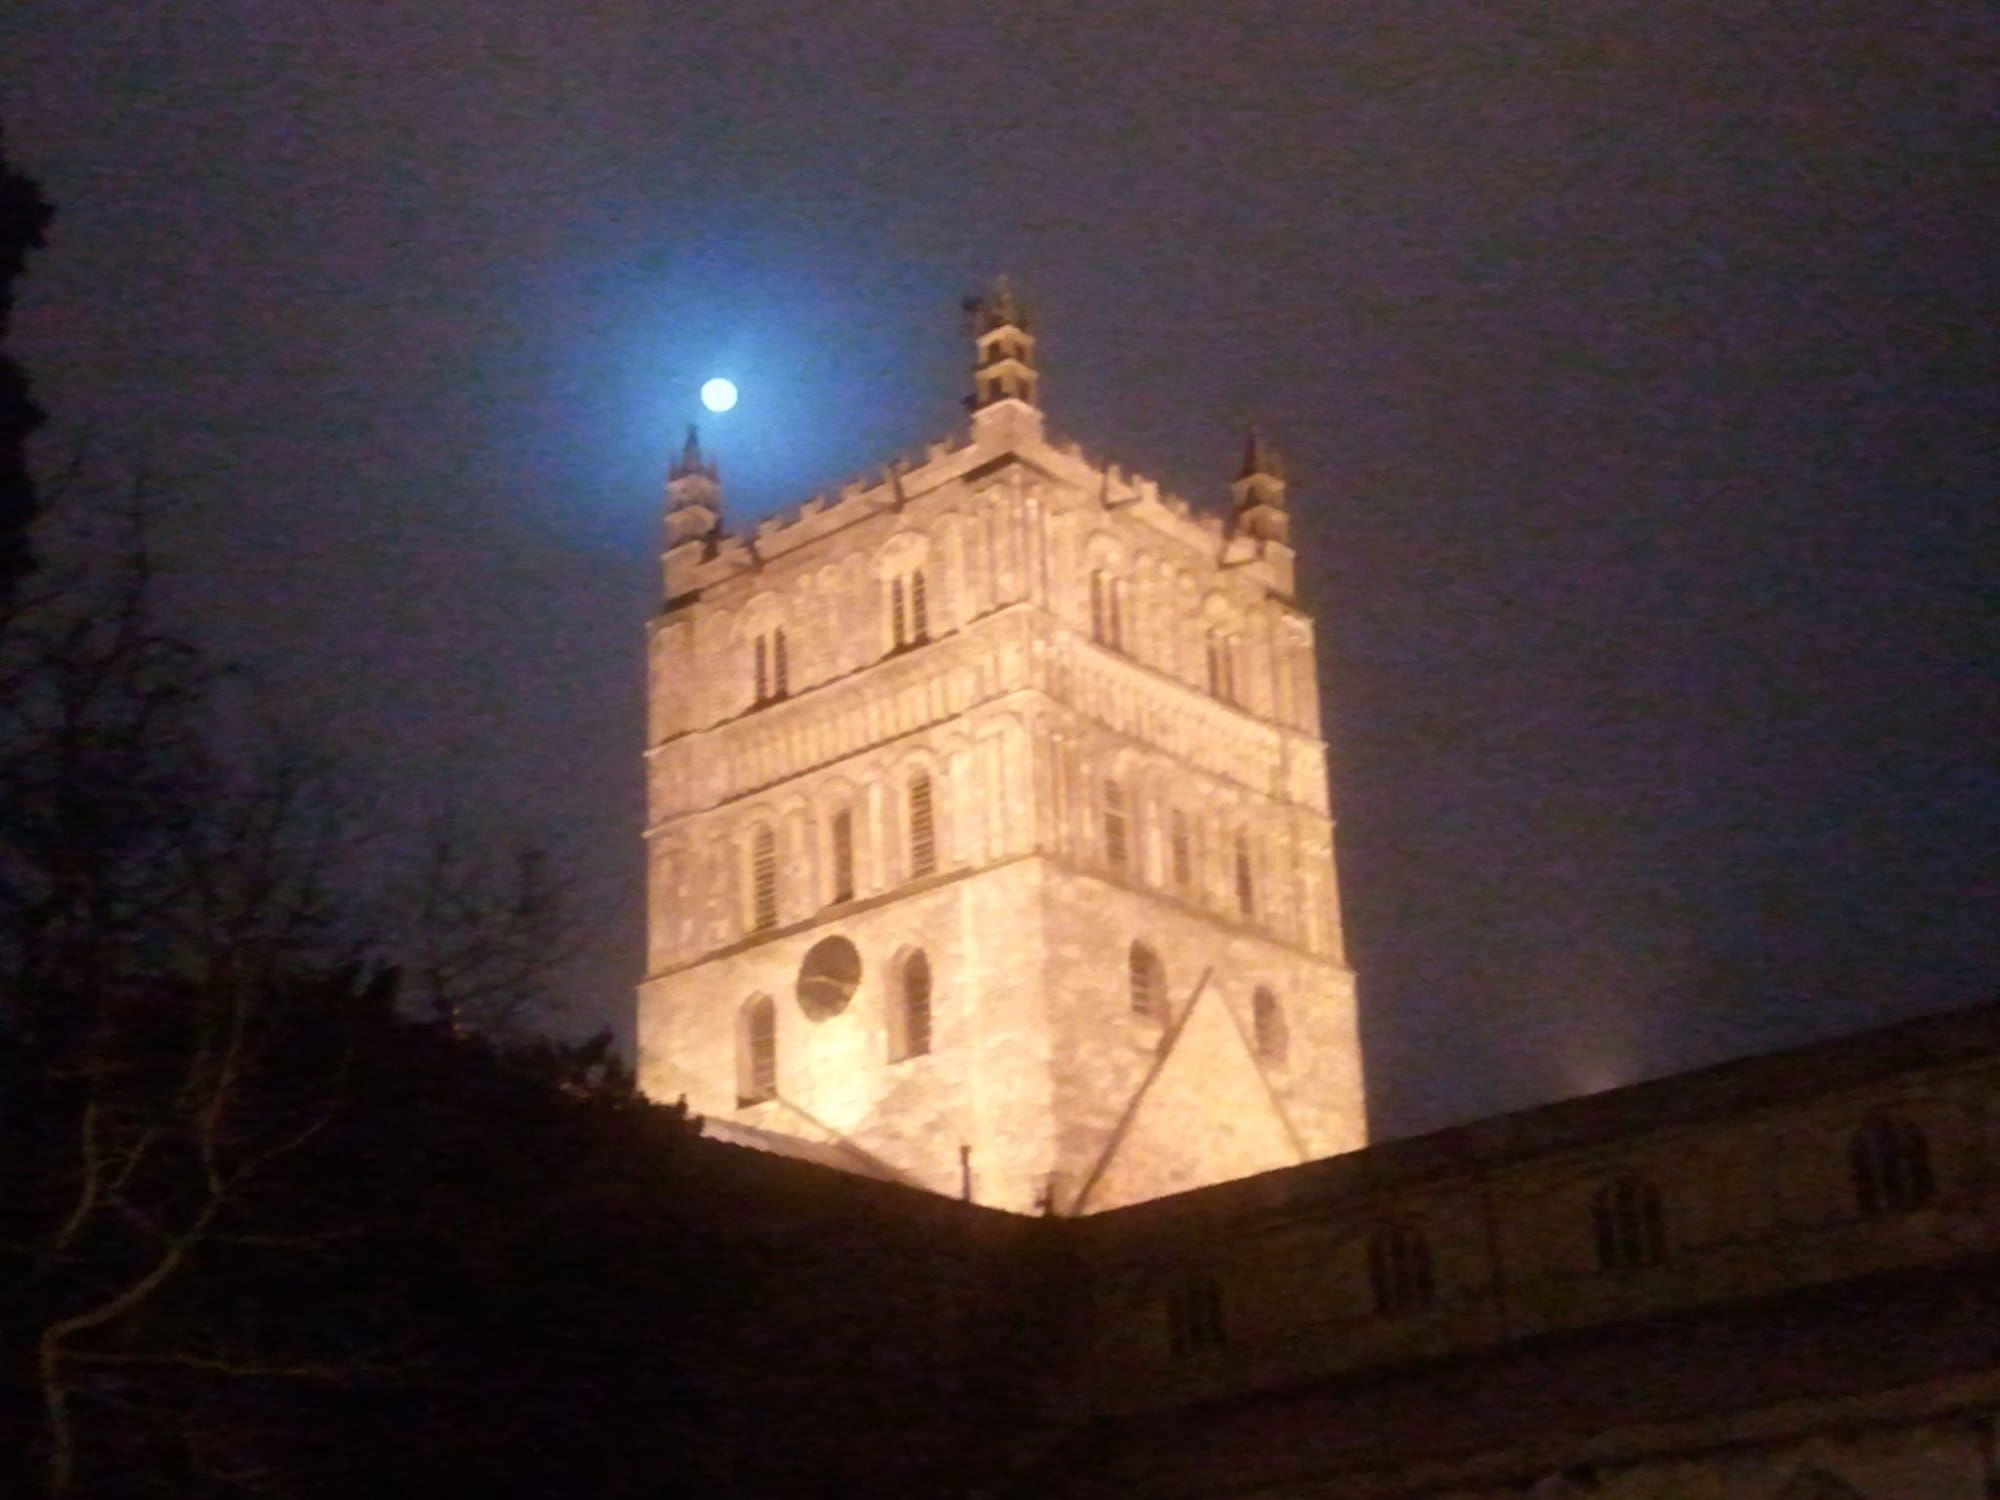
x=923, y=829
x=763, y=880
x=843, y=855
x=920, y=610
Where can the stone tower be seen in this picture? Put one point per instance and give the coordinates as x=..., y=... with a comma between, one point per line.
x=988, y=829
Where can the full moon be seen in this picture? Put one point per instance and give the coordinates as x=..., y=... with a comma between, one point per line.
x=719, y=394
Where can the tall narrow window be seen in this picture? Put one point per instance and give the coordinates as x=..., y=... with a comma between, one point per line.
x=1114, y=613
x=780, y=675
x=1630, y=1225
x=1194, y=1314
x=1246, y=884
x=1891, y=1162
x=1097, y=603
x=920, y=613
x=757, y=1051
x=899, y=623
x=843, y=855
x=763, y=879
x=1399, y=1269
x=1271, y=1033
x=923, y=830
x=910, y=1025
x=1214, y=663
x=763, y=670
x=1183, y=852
x=1149, y=983
x=1117, y=851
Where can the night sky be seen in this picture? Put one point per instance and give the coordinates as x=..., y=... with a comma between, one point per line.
x=1635, y=365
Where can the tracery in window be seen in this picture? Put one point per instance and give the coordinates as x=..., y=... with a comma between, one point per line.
x=1890, y=1159
x=1629, y=1224
x=1399, y=1269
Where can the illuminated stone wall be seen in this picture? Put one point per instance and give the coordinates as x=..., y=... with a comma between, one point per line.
x=1113, y=701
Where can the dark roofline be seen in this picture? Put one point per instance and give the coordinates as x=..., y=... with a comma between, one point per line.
x=1812, y=1071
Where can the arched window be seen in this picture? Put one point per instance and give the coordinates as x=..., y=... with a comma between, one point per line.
x=1221, y=665
x=763, y=879
x=773, y=668
x=1630, y=1227
x=1891, y=1162
x=909, y=610
x=1271, y=1031
x=1149, y=983
x=1117, y=841
x=757, y=1051
x=1183, y=852
x=1194, y=1314
x=1399, y=1269
x=843, y=854
x=1246, y=884
x=923, y=828
x=910, y=1022
x=1098, y=605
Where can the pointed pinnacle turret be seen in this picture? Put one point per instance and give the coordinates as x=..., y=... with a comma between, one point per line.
x=1259, y=489
x=691, y=460
x=1004, y=358
x=694, y=494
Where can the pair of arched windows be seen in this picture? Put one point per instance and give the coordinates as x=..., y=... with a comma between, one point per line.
x=757, y=1022
x=1146, y=977
x=923, y=853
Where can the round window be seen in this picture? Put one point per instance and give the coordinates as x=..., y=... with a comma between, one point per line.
x=828, y=977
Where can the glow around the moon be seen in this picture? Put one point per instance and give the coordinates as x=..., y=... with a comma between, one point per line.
x=718, y=394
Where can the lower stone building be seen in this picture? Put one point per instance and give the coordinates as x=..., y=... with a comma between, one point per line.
x=1777, y=1279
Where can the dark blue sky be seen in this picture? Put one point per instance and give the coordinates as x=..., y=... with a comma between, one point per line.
x=1636, y=364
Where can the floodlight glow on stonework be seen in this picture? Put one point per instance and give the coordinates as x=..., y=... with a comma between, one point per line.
x=932, y=754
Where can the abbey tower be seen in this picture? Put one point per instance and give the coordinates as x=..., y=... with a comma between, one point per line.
x=988, y=826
